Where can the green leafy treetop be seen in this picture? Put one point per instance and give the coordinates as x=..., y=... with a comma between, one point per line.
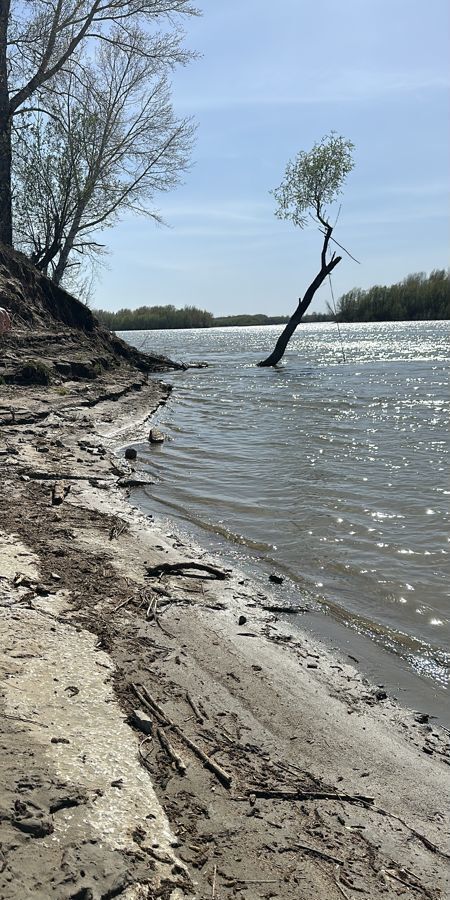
x=312, y=182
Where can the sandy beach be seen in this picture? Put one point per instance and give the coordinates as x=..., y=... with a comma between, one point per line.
x=164, y=734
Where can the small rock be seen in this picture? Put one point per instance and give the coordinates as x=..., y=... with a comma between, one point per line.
x=276, y=579
x=242, y=620
x=130, y=453
x=156, y=436
x=427, y=750
x=381, y=695
x=421, y=718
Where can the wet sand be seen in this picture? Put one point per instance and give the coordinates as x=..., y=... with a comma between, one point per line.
x=119, y=685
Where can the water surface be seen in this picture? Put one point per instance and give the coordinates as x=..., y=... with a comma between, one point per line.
x=332, y=469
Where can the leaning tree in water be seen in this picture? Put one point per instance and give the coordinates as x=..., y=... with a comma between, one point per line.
x=311, y=183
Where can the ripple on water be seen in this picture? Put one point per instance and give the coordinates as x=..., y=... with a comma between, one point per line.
x=335, y=472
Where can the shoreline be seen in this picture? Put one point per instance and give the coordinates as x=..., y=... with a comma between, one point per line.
x=332, y=625
x=372, y=659
x=272, y=710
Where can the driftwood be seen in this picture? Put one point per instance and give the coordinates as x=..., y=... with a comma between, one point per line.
x=180, y=567
x=314, y=851
x=272, y=607
x=367, y=802
x=340, y=888
x=278, y=794
x=117, y=530
x=175, y=757
x=153, y=707
x=420, y=837
x=123, y=603
x=59, y=492
x=195, y=709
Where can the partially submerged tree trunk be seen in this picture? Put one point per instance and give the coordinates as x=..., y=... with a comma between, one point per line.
x=286, y=334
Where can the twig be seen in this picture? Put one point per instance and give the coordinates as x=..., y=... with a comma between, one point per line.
x=123, y=603
x=342, y=248
x=22, y=719
x=277, y=794
x=339, y=887
x=144, y=758
x=194, y=708
x=315, y=852
x=213, y=892
x=154, y=708
x=117, y=530
x=412, y=885
x=175, y=757
x=152, y=609
x=421, y=837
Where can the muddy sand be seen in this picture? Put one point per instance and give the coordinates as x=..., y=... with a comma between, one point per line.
x=163, y=733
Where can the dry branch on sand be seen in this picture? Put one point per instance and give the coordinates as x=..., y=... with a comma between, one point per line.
x=181, y=568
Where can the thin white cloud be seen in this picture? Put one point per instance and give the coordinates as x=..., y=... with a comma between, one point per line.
x=346, y=86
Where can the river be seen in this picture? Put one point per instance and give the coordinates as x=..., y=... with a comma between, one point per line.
x=331, y=470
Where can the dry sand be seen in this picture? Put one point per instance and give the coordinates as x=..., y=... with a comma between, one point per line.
x=333, y=793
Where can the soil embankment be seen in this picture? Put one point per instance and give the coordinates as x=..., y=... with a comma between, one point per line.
x=164, y=735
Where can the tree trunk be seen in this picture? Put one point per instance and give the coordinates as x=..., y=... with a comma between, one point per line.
x=295, y=319
x=66, y=249
x=5, y=133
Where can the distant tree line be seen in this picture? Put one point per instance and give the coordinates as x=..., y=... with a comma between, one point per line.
x=416, y=297
x=149, y=318
x=260, y=319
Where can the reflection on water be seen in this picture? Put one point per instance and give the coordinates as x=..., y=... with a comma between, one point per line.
x=337, y=473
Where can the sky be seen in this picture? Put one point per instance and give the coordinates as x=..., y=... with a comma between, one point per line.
x=271, y=80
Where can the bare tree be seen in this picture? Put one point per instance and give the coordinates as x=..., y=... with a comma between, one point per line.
x=41, y=38
x=108, y=141
x=311, y=183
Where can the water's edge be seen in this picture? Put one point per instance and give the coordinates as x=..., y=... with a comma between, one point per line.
x=387, y=656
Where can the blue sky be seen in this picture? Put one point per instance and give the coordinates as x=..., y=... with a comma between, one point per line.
x=273, y=78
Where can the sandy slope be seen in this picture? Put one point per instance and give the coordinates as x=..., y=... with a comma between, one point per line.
x=92, y=807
